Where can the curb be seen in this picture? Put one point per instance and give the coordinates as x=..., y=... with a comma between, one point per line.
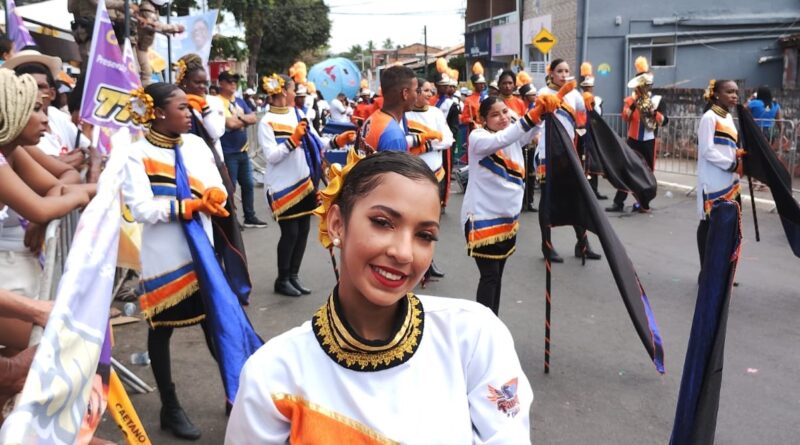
x=745, y=196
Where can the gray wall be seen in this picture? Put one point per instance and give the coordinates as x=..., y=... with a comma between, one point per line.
x=694, y=64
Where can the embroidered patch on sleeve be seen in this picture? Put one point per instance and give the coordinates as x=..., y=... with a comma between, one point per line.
x=506, y=397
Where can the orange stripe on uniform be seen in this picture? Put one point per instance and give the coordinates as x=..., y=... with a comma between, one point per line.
x=153, y=167
x=152, y=299
x=312, y=423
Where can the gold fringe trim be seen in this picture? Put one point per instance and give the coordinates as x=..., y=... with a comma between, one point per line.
x=309, y=189
x=171, y=301
x=493, y=257
x=295, y=215
x=179, y=323
x=495, y=238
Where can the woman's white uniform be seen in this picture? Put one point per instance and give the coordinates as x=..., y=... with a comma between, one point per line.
x=431, y=118
x=451, y=376
x=493, y=199
x=716, y=160
x=574, y=101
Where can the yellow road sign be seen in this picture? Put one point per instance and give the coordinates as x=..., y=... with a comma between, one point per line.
x=544, y=41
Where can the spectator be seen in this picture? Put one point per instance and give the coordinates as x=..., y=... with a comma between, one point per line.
x=238, y=116
x=250, y=98
x=62, y=138
x=340, y=109
x=6, y=49
x=22, y=122
x=765, y=111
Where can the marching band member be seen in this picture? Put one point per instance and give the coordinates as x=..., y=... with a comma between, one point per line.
x=572, y=115
x=171, y=295
x=364, y=108
x=719, y=163
x=293, y=155
x=387, y=129
x=644, y=113
x=506, y=84
x=208, y=110
x=469, y=115
x=363, y=369
x=527, y=92
x=425, y=118
x=493, y=199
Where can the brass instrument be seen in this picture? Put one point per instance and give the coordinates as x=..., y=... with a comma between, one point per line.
x=646, y=110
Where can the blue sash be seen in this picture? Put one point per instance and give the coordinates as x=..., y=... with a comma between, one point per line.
x=313, y=150
x=233, y=337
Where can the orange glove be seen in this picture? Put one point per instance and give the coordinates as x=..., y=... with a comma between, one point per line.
x=299, y=131
x=348, y=137
x=588, y=100
x=214, y=202
x=740, y=153
x=545, y=103
x=210, y=203
x=196, y=102
x=432, y=135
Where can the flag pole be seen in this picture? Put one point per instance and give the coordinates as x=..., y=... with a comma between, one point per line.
x=169, y=45
x=549, y=249
x=753, y=204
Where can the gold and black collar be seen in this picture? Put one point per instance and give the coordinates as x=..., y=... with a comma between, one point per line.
x=719, y=111
x=338, y=339
x=162, y=140
x=278, y=110
x=421, y=109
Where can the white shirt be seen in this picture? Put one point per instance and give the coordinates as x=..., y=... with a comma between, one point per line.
x=442, y=394
x=496, y=169
x=716, y=156
x=340, y=112
x=433, y=119
x=575, y=100
x=62, y=135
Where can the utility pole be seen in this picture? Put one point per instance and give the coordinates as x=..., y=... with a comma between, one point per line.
x=169, y=45
x=425, y=38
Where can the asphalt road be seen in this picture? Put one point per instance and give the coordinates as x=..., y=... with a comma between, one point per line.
x=602, y=388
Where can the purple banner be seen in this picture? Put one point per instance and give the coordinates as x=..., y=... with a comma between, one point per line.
x=109, y=79
x=17, y=32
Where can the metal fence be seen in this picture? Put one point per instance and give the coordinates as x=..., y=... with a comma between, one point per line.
x=676, y=146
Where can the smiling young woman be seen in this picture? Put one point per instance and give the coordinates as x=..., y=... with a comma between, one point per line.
x=378, y=364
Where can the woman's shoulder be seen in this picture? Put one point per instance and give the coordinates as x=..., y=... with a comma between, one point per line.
x=286, y=345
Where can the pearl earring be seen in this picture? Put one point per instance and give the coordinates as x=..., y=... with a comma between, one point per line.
x=337, y=242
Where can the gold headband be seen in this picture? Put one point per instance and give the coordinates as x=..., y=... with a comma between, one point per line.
x=272, y=84
x=180, y=71
x=141, y=107
x=336, y=176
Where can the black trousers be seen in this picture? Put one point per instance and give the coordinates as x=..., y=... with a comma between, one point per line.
x=648, y=151
x=158, y=339
x=292, y=245
x=490, y=283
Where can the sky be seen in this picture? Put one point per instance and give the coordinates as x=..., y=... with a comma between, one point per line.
x=358, y=21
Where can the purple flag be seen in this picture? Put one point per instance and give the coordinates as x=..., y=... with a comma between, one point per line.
x=17, y=32
x=109, y=78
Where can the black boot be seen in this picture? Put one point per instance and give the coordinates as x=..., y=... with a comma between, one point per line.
x=600, y=197
x=294, y=280
x=554, y=256
x=284, y=287
x=174, y=418
x=589, y=253
x=615, y=208
x=435, y=271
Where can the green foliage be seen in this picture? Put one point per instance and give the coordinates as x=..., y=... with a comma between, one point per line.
x=278, y=32
x=388, y=44
x=223, y=47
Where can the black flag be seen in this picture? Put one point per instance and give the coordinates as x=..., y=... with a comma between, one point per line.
x=698, y=400
x=569, y=200
x=609, y=155
x=762, y=164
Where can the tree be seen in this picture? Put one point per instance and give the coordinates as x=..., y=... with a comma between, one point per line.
x=388, y=44
x=223, y=47
x=277, y=32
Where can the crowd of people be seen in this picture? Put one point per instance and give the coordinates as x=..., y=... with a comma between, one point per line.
x=380, y=211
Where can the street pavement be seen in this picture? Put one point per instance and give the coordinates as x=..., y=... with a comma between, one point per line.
x=602, y=388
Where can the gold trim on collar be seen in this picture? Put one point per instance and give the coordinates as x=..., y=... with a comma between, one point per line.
x=278, y=110
x=342, y=345
x=423, y=109
x=719, y=111
x=162, y=140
